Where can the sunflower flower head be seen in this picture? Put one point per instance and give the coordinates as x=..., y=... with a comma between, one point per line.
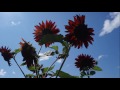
x=43, y=29
x=78, y=33
x=85, y=62
x=7, y=54
x=29, y=54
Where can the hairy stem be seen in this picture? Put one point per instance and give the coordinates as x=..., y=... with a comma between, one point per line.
x=36, y=71
x=51, y=65
x=61, y=66
x=63, y=61
x=19, y=67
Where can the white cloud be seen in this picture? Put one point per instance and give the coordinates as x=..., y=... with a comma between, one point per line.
x=2, y=72
x=110, y=25
x=15, y=23
x=59, y=60
x=43, y=57
x=13, y=72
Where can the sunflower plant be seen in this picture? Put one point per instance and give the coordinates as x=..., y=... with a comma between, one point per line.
x=46, y=33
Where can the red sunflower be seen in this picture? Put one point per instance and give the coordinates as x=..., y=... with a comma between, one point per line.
x=78, y=32
x=43, y=29
x=85, y=62
x=29, y=54
x=6, y=53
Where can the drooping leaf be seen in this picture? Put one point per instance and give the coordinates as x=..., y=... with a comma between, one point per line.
x=17, y=50
x=55, y=48
x=51, y=38
x=97, y=68
x=65, y=75
x=92, y=72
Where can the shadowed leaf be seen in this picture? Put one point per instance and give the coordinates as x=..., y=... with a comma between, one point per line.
x=24, y=63
x=51, y=38
x=92, y=72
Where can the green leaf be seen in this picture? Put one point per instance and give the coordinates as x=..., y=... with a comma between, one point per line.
x=17, y=50
x=55, y=48
x=32, y=68
x=96, y=68
x=24, y=63
x=44, y=70
x=92, y=72
x=64, y=43
x=65, y=48
x=51, y=38
x=29, y=75
x=65, y=75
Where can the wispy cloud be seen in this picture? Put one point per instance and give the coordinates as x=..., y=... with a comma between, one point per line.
x=44, y=57
x=15, y=23
x=59, y=60
x=110, y=25
x=101, y=56
x=2, y=72
x=13, y=72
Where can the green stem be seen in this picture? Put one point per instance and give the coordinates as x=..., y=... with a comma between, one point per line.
x=63, y=62
x=36, y=70
x=40, y=50
x=51, y=65
x=88, y=73
x=61, y=67
x=19, y=67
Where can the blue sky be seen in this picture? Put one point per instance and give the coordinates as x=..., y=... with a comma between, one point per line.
x=105, y=48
